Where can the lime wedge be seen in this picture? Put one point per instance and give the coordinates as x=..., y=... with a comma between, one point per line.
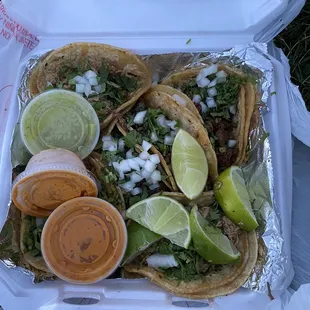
x=231, y=193
x=189, y=165
x=163, y=216
x=139, y=239
x=209, y=241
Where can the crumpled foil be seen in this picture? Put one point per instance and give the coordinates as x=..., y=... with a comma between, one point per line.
x=258, y=172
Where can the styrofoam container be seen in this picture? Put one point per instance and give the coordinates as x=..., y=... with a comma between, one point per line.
x=147, y=27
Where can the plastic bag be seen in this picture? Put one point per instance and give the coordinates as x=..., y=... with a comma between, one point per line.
x=300, y=116
x=299, y=300
x=15, y=41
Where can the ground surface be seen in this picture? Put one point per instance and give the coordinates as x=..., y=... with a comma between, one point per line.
x=295, y=42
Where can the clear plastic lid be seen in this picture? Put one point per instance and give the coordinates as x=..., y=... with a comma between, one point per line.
x=213, y=23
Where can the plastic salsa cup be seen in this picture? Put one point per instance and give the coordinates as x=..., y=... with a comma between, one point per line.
x=51, y=178
x=60, y=119
x=84, y=240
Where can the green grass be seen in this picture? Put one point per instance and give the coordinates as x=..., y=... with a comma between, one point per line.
x=295, y=43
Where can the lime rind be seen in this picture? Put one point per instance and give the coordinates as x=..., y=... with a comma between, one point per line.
x=189, y=165
x=139, y=239
x=164, y=216
x=231, y=193
x=209, y=241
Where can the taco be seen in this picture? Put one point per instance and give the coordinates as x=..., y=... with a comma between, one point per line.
x=225, y=99
x=164, y=109
x=111, y=78
x=128, y=170
x=30, y=241
x=189, y=274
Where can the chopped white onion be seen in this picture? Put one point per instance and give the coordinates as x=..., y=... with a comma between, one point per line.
x=212, y=92
x=156, y=176
x=173, y=133
x=221, y=80
x=139, y=161
x=179, y=99
x=139, y=118
x=113, y=147
x=106, y=138
x=154, y=158
x=168, y=140
x=124, y=166
x=153, y=186
x=221, y=74
x=162, y=261
x=210, y=102
x=145, y=174
x=90, y=74
x=144, y=155
x=213, y=83
x=80, y=80
x=129, y=154
x=115, y=164
x=98, y=88
x=109, y=146
x=135, y=177
x=231, y=143
x=128, y=186
x=136, y=191
x=149, y=181
x=87, y=90
x=79, y=88
x=121, y=145
x=149, y=166
x=133, y=164
x=204, y=82
x=162, y=121
x=209, y=70
x=154, y=137
x=204, y=107
x=93, y=81
x=146, y=145
x=199, y=76
x=121, y=175
x=196, y=98
x=232, y=109
x=92, y=93
x=171, y=124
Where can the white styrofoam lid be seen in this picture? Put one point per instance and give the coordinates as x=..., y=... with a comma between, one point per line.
x=221, y=22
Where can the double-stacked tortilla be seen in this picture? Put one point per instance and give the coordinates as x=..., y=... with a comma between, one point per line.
x=122, y=76
x=230, y=119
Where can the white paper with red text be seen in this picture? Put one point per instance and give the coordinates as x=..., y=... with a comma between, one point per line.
x=15, y=41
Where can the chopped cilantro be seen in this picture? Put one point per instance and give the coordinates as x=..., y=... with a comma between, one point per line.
x=191, y=265
x=32, y=237
x=273, y=93
x=215, y=213
x=133, y=138
x=188, y=41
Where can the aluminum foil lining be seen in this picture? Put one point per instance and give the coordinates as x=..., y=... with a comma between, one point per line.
x=258, y=172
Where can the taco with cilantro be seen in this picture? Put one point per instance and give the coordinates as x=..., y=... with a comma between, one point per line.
x=184, y=272
x=225, y=99
x=110, y=78
x=128, y=166
x=167, y=110
x=30, y=241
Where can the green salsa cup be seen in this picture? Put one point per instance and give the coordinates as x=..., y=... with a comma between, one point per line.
x=60, y=119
